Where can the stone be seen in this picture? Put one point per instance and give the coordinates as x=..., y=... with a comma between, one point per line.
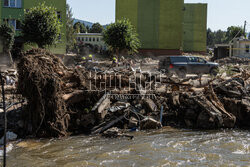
x=10, y=136
x=149, y=123
x=20, y=123
x=204, y=121
x=150, y=106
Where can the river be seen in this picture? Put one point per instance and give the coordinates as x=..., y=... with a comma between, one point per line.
x=165, y=147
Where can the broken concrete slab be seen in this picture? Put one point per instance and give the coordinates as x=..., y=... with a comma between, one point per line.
x=100, y=107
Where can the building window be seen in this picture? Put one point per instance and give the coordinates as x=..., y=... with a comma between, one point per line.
x=89, y=39
x=97, y=39
x=59, y=16
x=247, y=48
x=13, y=3
x=79, y=39
x=93, y=39
x=59, y=37
x=82, y=39
x=86, y=39
x=15, y=23
x=6, y=3
x=18, y=25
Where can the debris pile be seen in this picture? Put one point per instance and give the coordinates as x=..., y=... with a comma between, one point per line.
x=50, y=89
x=62, y=101
x=233, y=60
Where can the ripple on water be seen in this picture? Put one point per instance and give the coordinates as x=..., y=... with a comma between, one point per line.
x=158, y=148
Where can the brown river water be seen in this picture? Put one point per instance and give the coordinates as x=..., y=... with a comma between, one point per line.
x=165, y=147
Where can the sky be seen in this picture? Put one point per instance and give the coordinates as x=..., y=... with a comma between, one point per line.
x=221, y=13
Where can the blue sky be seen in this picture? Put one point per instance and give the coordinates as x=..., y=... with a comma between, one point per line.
x=221, y=13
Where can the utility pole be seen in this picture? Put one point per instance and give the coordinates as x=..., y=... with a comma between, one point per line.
x=245, y=23
x=5, y=120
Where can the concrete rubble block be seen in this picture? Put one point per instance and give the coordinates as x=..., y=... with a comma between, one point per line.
x=150, y=106
x=149, y=123
x=133, y=122
x=101, y=111
x=100, y=108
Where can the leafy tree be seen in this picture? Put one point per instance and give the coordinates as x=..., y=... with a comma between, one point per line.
x=70, y=32
x=88, y=28
x=220, y=37
x=80, y=27
x=210, y=38
x=7, y=34
x=96, y=28
x=121, y=36
x=234, y=32
x=41, y=25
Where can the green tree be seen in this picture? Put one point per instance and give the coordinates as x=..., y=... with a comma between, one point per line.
x=220, y=37
x=210, y=38
x=41, y=25
x=7, y=34
x=121, y=36
x=234, y=32
x=88, y=28
x=96, y=28
x=70, y=32
x=80, y=27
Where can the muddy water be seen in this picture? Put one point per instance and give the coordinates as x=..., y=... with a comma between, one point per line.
x=166, y=147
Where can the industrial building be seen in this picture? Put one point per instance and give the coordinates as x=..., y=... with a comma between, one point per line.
x=166, y=26
x=12, y=11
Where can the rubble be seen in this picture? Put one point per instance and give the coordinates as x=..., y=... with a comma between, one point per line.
x=233, y=60
x=61, y=101
x=149, y=123
x=10, y=136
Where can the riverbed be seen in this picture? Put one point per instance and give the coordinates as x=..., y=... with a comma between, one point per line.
x=164, y=147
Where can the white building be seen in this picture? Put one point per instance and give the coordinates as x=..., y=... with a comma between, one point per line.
x=240, y=47
x=94, y=39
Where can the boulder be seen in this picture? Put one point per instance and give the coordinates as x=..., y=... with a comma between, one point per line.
x=10, y=136
x=150, y=106
x=149, y=123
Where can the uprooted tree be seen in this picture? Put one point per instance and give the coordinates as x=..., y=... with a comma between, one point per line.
x=41, y=25
x=121, y=36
